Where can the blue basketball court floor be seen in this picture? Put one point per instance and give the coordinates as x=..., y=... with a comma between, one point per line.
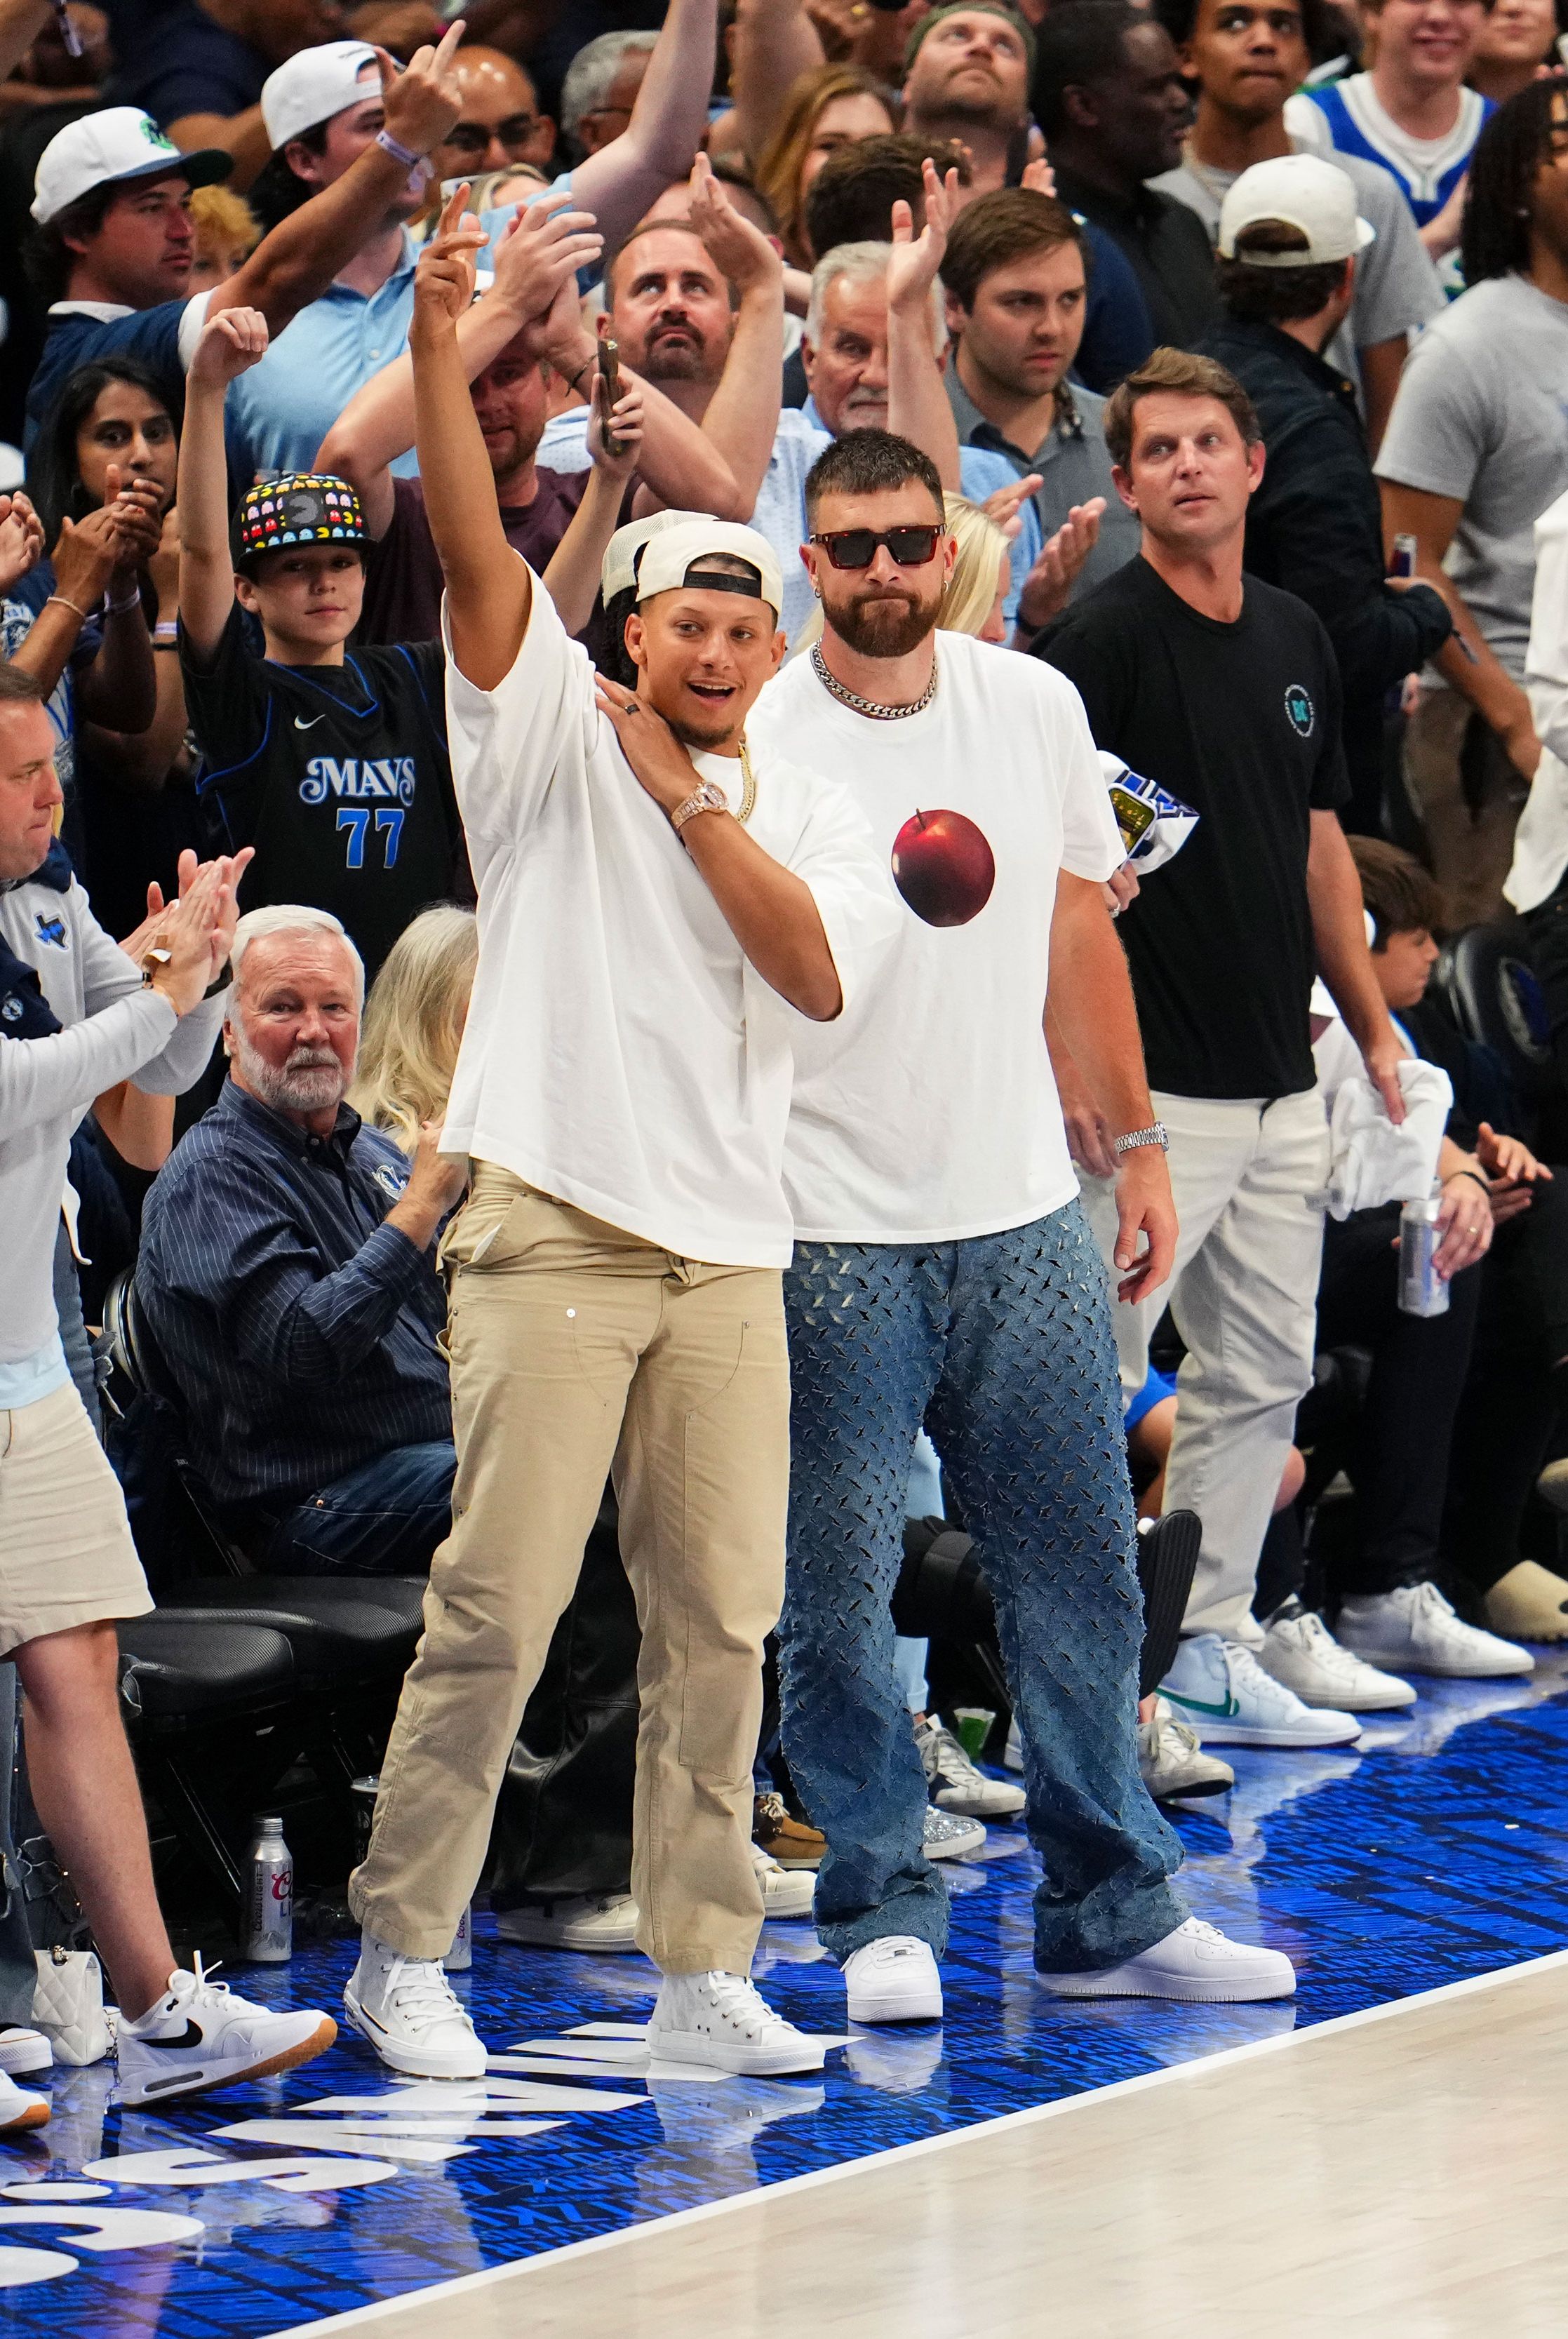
x=1432, y=1851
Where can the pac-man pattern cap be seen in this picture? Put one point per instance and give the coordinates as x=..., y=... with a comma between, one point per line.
x=299, y=508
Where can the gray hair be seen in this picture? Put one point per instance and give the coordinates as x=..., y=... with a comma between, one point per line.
x=863, y=263
x=593, y=70
x=291, y=918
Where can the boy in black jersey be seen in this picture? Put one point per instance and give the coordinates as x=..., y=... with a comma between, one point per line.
x=332, y=763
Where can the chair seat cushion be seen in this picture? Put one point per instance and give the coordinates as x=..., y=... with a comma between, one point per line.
x=180, y=1661
x=330, y=1633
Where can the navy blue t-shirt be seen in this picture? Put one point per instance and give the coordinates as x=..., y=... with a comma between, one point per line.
x=151, y=336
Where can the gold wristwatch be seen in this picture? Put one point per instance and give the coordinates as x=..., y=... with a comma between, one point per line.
x=706, y=796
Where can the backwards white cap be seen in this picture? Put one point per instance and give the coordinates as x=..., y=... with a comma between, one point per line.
x=315, y=83
x=1300, y=190
x=670, y=555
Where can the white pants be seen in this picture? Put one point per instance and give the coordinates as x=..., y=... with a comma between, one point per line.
x=1248, y=1177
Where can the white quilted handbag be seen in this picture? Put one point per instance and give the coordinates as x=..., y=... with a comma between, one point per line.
x=68, y=2005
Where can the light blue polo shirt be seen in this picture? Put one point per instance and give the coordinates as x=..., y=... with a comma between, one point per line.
x=278, y=413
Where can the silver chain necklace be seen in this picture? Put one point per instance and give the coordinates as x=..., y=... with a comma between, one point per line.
x=871, y=707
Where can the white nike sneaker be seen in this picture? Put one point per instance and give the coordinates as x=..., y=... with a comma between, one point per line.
x=786, y=1891
x=1416, y=1630
x=1171, y=1761
x=945, y=1836
x=1219, y=1688
x=406, y=2009
x=605, y=1923
x=22, y=2050
x=955, y=1783
x=200, y=2035
x=1195, y=1963
x=1300, y=1651
x=720, y=2020
x=20, y=2108
x=894, y=1979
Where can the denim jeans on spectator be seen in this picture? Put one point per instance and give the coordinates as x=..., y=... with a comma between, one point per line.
x=1003, y=1346
x=384, y=1518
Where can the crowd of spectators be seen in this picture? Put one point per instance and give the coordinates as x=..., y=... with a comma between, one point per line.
x=1104, y=462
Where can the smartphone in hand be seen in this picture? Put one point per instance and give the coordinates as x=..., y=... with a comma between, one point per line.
x=609, y=365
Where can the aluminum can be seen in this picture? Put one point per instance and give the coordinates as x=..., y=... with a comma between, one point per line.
x=269, y=1896
x=1422, y=1290
x=461, y=1956
x=1403, y=563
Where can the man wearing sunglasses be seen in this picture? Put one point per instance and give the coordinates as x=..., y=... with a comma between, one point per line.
x=500, y=124
x=944, y=1273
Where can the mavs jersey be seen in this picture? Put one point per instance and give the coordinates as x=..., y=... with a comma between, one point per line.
x=1351, y=120
x=337, y=775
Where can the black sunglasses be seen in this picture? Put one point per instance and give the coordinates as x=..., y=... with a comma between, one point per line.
x=472, y=137
x=856, y=548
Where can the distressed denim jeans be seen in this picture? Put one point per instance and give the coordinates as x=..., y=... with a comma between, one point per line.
x=1002, y=1348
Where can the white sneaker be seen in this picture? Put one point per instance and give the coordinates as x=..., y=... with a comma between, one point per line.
x=1415, y=1630
x=1195, y=1963
x=200, y=2035
x=894, y=1979
x=1219, y=1688
x=720, y=2020
x=1171, y=1761
x=605, y=1923
x=786, y=1892
x=22, y=2050
x=406, y=2009
x=18, y=2107
x=945, y=1836
x=954, y=1782
x=1012, y=1752
x=1299, y=1650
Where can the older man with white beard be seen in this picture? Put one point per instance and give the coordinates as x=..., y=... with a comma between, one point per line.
x=288, y=1273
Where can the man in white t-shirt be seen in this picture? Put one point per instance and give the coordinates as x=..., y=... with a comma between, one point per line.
x=944, y=1271
x=649, y=949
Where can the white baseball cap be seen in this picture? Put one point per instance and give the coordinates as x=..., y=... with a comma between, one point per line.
x=622, y=554
x=315, y=83
x=1299, y=190
x=669, y=557
x=121, y=143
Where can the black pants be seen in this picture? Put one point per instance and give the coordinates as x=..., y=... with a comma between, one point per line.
x=1547, y=927
x=1399, y=1463
x=1511, y=1399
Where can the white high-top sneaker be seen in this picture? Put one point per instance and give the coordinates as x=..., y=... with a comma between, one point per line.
x=406, y=2009
x=1221, y=1690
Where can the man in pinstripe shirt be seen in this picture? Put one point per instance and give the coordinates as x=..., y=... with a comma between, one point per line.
x=287, y=1271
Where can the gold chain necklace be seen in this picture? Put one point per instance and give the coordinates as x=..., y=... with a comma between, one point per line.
x=749, y=792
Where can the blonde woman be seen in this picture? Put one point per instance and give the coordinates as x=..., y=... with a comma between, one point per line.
x=413, y=1024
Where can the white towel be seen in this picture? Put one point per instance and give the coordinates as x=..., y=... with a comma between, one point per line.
x=1375, y=1162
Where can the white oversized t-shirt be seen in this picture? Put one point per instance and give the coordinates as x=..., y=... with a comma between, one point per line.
x=928, y=1112
x=620, y=1052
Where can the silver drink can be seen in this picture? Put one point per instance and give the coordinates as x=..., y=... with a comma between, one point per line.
x=461, y=1956
x=269, y=1896
x=1422, y=1290
x=363, y=1792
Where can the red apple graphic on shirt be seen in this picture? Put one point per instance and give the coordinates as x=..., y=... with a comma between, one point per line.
x=943, y=867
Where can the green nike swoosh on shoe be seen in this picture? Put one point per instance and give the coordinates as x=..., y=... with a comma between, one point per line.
x=1225, y=1711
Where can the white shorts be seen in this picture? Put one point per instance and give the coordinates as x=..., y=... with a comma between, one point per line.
x=66, y=1557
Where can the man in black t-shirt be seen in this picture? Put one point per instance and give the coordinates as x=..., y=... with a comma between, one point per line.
x=1224, y=691
x=333, y=766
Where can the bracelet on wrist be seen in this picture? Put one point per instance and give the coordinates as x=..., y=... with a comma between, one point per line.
x=123, y=609
x=1480, y=1181
x=66, y=603
x=399, y=153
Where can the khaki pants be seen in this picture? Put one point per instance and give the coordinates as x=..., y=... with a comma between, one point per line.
x=1248, y=1178
x=578, y=1350
x=1472, y=851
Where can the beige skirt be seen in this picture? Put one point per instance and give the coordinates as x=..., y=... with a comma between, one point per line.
x=66, y=1557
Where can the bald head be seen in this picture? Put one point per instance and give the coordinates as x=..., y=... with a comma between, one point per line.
x=501, y=122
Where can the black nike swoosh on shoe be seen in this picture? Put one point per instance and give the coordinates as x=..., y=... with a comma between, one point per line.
x=193, y=2038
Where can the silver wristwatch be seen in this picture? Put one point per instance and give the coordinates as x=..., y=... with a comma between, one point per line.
x=1155, y=1134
